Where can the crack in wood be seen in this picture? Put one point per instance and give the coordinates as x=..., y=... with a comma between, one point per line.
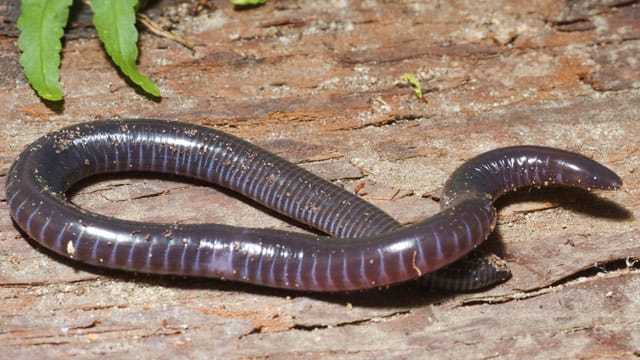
x=392, y=120
x=313, y=327
x=33, y=284
x=612, y=269
x=357, y=322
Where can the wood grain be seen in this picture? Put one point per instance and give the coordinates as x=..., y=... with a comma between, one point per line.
x=319, y=82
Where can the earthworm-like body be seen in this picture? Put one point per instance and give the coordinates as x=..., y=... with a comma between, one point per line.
x=366, y=247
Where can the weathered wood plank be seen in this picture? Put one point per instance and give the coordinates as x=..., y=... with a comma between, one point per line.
x=318, y=82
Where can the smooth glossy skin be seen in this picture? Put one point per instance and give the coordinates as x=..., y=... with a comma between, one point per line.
x=367, y=249
x=500, y=171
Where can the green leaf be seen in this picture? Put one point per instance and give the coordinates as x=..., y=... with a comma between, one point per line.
x=413, y=80
x=41, y=25
x=115, y=21
x=248, y=2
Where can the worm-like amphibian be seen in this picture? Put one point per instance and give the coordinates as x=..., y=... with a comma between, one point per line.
x=365, y=248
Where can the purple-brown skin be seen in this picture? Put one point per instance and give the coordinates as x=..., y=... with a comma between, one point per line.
x=366, y=247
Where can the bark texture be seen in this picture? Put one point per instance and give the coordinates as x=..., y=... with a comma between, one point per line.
x=318, y=82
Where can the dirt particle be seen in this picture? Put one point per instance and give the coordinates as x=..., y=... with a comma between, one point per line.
x=70, y=249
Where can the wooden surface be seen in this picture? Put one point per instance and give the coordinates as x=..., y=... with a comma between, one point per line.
x=318, y=82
